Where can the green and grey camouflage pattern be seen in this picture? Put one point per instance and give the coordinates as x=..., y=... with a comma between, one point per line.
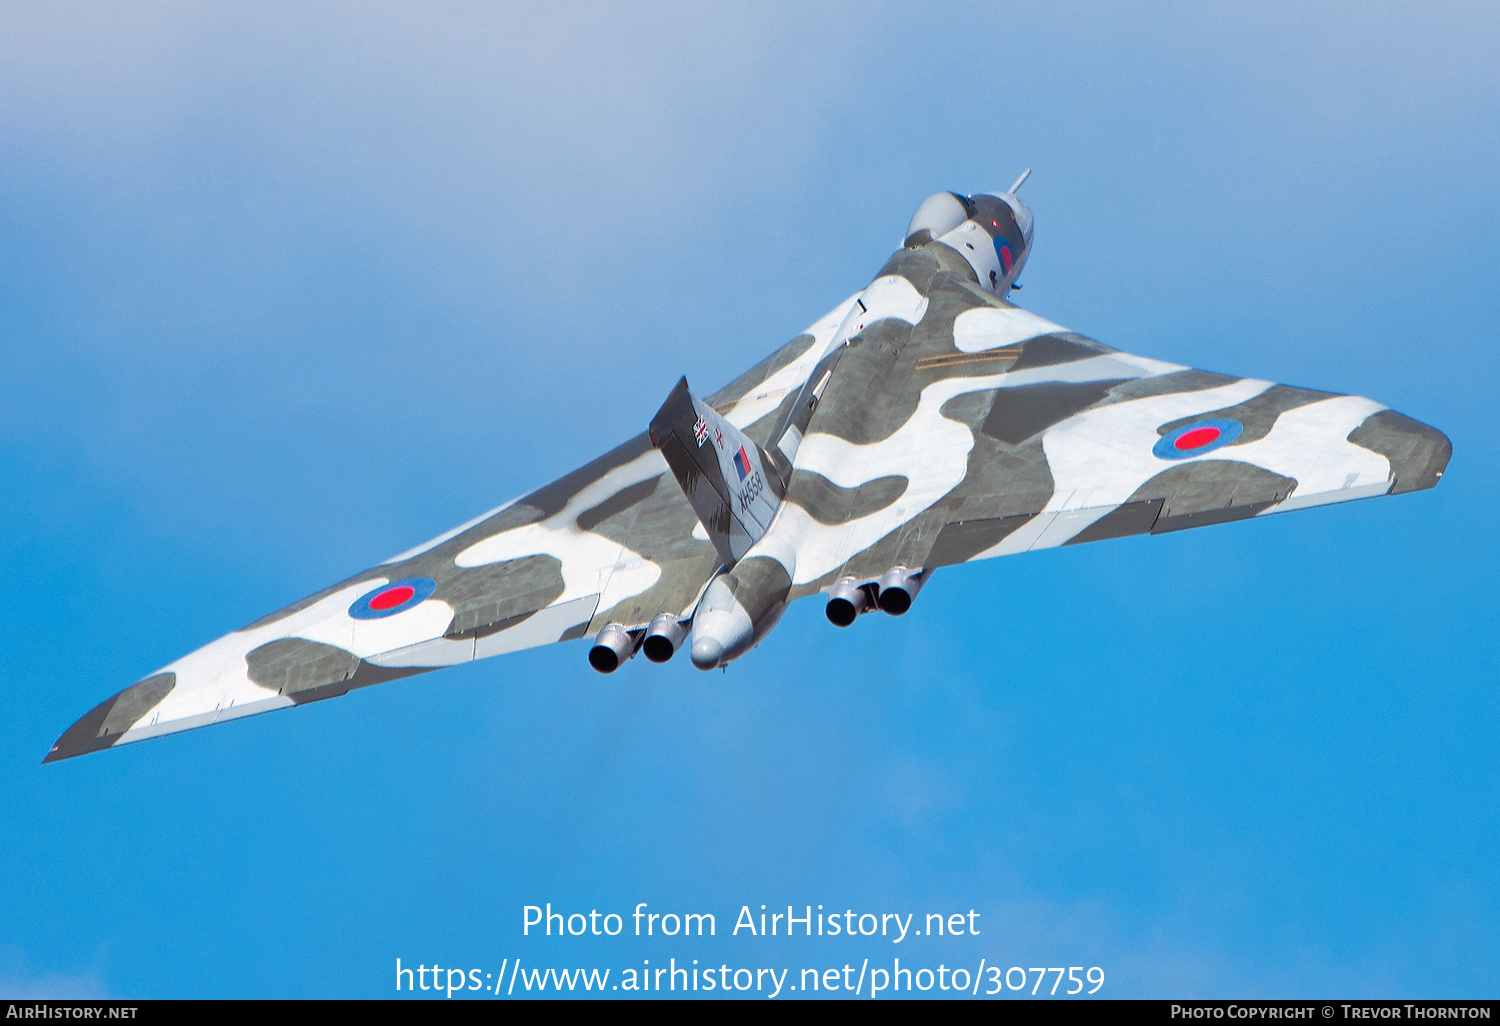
x=924, y=421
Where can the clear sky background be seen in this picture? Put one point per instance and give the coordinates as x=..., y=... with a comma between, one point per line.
x=286, y=289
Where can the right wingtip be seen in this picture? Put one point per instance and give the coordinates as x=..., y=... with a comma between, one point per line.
x=1418, y=452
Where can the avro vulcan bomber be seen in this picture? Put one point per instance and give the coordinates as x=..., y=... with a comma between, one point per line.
x=924, y=421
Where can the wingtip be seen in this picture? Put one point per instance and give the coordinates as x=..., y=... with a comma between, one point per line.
x=103, y=726
x=1418, y=452
x=83, y=737
x=59, y=756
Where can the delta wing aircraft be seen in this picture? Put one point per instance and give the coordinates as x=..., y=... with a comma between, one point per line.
x=925, y=421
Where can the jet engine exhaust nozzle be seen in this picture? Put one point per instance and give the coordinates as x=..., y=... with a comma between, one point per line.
x=898, y=587
x=847, y=599
x=663, y=638
x=611, y=648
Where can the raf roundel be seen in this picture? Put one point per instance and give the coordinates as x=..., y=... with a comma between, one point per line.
x=393, y=598
x=1197, y=438
x=1007, y=258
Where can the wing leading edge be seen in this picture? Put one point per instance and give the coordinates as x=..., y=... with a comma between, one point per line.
x=982, y=430
x=612, y=542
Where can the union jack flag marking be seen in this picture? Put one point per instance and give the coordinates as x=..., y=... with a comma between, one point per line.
x=700, y=432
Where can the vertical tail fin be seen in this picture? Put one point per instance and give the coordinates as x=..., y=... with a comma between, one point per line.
x=733, y=485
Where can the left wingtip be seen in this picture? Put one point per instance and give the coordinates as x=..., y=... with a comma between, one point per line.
x=103, y=726
x=85, y=736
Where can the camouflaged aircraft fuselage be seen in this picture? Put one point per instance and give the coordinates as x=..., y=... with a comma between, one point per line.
x=925, y=421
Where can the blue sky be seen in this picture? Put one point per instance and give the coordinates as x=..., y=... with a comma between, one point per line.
x=285, y=290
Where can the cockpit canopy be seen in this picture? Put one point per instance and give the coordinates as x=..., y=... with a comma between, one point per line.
x=938, y=215
x=949, y=217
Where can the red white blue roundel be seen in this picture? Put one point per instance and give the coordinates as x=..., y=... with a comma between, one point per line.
x=1197, y=438
x=1002, y=250
x=393, y=598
